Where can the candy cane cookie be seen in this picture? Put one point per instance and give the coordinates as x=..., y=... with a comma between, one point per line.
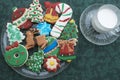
x=66, y=13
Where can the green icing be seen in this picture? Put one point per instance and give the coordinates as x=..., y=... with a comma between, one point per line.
x=16, y=57
x=53, y=53
x=70, y=31
x=35, y=12
x=35, y=61
x=14, y=34
x=67, y=57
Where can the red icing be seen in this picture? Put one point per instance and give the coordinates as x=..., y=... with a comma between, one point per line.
x=17, y=14
x=67, y=47
x=8, y=48
x=15, y=44
x=64, y=20
x=28, y=24
x=49, y=69
x=50, y=6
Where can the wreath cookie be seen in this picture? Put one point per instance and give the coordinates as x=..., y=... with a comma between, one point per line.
x=16, y=55
x=53, y=36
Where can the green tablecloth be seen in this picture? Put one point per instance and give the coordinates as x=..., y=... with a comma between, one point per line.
x=92, y=63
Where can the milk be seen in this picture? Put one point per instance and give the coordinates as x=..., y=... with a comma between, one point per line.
x=106, y=18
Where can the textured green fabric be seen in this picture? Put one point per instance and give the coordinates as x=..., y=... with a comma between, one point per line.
x=92, y=63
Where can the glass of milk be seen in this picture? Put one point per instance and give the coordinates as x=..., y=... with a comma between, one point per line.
x=100, y=23
x=106, y=19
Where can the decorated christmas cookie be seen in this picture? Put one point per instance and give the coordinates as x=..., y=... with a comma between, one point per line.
x=66, y=13
x=51, y=15
x=44, y=28
x=16, y=55
x=41, y=41
x=30, y=43
x=70, y=31
x=51, y=45
x=50, y=38
x=67, y=49
x=51, y=64
x=14, y=34
x=35, y=12
x=19, y=18
x=35, y=61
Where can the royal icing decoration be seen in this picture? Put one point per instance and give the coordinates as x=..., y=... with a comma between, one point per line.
x=67, y=46
x=49, y=38
x=17, y=55
x=14, y=34
x=44, y=28
x=30, y=43
x=35, y=61
x=35, y=12
x=19, y=18
x=66, y=13
x=51, y=15
x=51, y=64
x=70, y=31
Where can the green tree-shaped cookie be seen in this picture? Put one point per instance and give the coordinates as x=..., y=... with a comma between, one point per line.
x=14, y=34
x=70, y=31
x=35, y=61
x=35, y=12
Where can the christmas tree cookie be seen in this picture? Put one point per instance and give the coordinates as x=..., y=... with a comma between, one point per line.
x=14, y=34
x=35, y=12
x=70, y=31
x=35, y=61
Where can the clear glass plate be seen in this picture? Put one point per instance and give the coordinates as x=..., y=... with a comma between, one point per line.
x=23, y=70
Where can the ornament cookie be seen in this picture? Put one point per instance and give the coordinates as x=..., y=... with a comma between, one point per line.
x=16, y=55
x=51, y=15
x=44, y=28
x=19, y=18
x=14, y=34
x=66, y=13
x=51, y=64
x=35, y=12
x=35, y=62
x=51, y=45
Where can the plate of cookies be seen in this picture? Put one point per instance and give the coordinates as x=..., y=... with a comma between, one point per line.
x=40, y=43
